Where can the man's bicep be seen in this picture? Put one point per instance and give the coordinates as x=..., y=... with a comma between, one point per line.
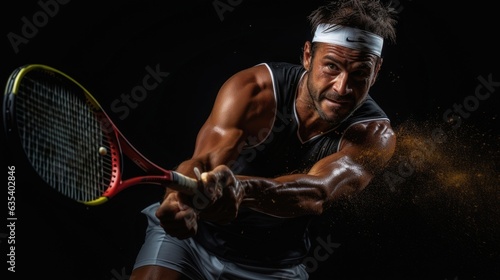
x=371, y=145
x=224, y=132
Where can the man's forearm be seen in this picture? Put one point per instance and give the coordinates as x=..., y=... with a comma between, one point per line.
x=291, y=198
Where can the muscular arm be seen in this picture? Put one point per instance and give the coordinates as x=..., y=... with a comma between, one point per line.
x=244, y=104
x=365, y=150
x=245, y=98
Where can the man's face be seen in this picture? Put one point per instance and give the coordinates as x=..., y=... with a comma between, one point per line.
x=339, y=80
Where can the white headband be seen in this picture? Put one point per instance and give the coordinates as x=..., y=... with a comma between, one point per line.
x=349, y=37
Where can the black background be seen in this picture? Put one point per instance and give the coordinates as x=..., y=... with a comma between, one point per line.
x=418, y=228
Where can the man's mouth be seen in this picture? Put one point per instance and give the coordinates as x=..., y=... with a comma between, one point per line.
x=338, y=101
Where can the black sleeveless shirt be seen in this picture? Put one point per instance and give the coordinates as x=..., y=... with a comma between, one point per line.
x=258, y=239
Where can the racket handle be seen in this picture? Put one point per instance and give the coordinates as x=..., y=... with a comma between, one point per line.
x=190, y=184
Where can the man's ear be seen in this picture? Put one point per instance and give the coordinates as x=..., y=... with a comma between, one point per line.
x=307, y=55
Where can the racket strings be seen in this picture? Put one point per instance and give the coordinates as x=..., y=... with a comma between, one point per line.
x=61, y=137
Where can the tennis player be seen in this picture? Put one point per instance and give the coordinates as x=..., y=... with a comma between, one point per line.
x=282, y=143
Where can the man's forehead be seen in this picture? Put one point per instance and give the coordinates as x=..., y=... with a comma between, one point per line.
x=342, y=53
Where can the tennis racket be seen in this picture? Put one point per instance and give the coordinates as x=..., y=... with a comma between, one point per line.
x=70, y=141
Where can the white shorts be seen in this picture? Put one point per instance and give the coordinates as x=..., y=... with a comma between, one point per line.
x=192, y=260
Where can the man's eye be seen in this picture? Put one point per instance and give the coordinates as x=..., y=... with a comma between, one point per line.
x=332, y=67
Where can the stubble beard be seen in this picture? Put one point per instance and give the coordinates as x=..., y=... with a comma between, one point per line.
x=315, y=99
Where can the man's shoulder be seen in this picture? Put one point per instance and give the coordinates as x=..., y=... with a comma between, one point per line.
x=283, y=65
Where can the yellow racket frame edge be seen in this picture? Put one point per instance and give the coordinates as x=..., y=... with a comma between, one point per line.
x=95, y=202
x=30, y=67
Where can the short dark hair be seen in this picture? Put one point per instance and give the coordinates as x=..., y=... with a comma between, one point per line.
x=370, y=15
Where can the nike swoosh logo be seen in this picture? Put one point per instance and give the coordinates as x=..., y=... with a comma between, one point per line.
x=355, y=40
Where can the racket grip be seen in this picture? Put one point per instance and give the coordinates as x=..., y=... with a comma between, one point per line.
x=190, y=184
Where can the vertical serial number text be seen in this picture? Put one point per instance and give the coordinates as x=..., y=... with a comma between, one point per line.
x=11, y=218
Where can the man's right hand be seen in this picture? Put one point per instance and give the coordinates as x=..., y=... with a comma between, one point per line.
x=177, y=219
